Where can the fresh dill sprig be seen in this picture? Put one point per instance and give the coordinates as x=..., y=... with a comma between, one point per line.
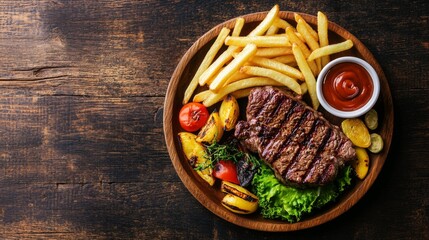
x=226, y=152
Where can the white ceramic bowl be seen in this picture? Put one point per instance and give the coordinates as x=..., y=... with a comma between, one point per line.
x=357, y=112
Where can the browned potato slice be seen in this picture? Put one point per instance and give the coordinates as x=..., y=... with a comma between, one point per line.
x=228, y=112
x=357, y=132
x=196, y=155
x=212, y=131
x=361, y=164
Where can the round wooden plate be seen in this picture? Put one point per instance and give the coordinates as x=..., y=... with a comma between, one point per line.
x=210, y=197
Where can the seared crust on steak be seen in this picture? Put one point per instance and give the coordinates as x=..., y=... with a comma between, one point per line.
x=301, y=146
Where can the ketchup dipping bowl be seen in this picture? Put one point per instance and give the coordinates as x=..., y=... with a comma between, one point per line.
x=348, y=87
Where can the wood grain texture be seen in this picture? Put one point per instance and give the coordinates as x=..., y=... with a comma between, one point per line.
x=82, y=90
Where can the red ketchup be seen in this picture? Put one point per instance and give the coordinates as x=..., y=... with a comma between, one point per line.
x=347, y=86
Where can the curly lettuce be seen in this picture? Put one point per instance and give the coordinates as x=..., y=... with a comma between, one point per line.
x=278, y=201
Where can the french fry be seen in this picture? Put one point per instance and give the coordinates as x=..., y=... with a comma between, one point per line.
x=259, y=41
x=304, y=88
x=310, y=40
x=277, y=66
x=266, y=23
x=318, y=65
x=275, y=75
x=330, y=49
x=293, y=38
x=201, y=96
x=307, y=26
x=299, y=36
x=286, y=59
x=241, y=93
x=237, y=76
x=239, y=23
x=308, y=74
x=273, y=52
x=272, y=31
x=211, y=79
x=233, y=66
x=208, y=59
x=322, y=30
x=281, y=23
x=242, y=84
x=225, y=57
x=216, y=66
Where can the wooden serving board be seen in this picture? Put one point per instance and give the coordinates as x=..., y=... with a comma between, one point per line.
x=210, y=197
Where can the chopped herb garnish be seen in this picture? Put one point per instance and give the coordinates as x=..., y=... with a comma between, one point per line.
x=227, y=152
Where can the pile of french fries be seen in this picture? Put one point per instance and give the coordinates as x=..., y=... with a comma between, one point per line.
x=274, y=53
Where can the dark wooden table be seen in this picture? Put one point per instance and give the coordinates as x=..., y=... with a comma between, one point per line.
x=82, y=152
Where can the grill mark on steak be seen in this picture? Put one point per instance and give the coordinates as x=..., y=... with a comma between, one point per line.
x=277, y=107
x=312, y=174
x=317, y=157
x=288, y=131
x=279, y=134
x=329, y=173
x=256, y=110
x=328, y=151
x=251, y=129
x=282, y=113
x=304, y=128
x=308, y=152
x=292, y=173
x=300, y=145
x=277, y=121
x=266, y=111
x=286, y=152
x=264, y=114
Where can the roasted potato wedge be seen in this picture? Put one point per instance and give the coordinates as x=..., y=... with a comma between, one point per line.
x=357, y=132
x=229, y=112
x=239, y=205
x=361, y=164
x=212, y=131
x=238, y=199
x=195, y=152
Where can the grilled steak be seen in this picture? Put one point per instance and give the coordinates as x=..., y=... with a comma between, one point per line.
x=302, y=147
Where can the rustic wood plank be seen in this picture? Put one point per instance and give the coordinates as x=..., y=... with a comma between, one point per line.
x=77, y=53
x=82, y=154
x=63, y=132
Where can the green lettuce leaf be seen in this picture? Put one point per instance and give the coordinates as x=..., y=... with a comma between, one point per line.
x=278, y=201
